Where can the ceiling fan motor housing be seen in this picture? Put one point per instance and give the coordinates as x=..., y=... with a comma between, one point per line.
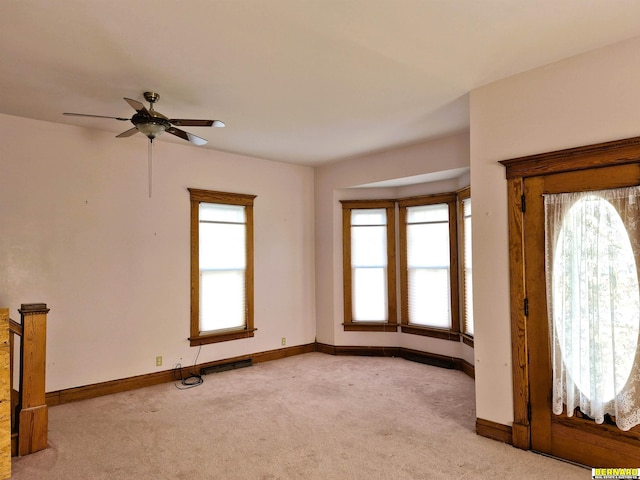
x=151, y=125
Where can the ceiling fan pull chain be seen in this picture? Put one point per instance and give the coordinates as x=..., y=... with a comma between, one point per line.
x=150, y=150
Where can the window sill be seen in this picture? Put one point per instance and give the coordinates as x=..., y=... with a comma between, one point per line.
x=370, y=327
x=467, y=339
x=221, y=337
x=431, y=332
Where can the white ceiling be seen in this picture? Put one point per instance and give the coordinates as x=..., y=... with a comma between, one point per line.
x=300, y=81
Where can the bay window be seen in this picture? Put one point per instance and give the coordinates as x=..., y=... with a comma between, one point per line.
x=433, y=255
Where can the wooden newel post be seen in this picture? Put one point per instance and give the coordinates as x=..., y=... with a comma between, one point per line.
x=34, y=416
x=5, y=397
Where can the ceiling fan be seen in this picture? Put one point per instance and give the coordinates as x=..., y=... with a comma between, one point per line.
x=152, y=123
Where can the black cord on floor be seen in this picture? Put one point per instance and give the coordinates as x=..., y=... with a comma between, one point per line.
x=192, y=380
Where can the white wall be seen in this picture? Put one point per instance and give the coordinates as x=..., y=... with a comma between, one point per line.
x=80, y=233
x=339, y=182
x=586, y=99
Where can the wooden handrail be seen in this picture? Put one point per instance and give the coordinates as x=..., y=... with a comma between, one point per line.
x=15, y=327
x=15, y=330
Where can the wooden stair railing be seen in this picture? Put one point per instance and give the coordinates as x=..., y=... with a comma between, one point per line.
x=29, y=412
x=15, y=330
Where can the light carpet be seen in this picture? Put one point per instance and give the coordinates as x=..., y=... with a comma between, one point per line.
x=312, y=416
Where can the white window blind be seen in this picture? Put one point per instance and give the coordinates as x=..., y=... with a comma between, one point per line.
x=369, y=264
x=428, y=264
x=222, y=260
x=468, y=283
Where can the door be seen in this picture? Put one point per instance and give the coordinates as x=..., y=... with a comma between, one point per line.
x=575, y=437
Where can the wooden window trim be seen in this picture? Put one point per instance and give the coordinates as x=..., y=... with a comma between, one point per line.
x=349, y=324
x=357, y=204
x=441, y=333
x=462, y=195
x=370, y=327
x=221, y=337
x=427, y=199
x=454, y=332
x=198, y=196
x=467, y=339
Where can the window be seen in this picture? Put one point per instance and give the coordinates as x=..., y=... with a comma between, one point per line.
x=464, y=222
x=428, y=266
x=369, y=264
x=431, y=302
x=221, y=266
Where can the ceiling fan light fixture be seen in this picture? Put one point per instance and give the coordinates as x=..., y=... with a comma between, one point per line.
x=151, y=129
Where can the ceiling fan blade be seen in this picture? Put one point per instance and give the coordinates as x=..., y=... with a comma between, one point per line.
x=137, y=106
x=96, y=116
x=128, y=133
x=185, y=122
x=190, y=137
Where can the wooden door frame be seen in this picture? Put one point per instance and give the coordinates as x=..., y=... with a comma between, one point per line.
x=618, y=152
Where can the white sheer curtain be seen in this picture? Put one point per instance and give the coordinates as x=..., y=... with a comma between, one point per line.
x=593, y=302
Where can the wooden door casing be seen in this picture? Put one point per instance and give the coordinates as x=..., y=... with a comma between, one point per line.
x=602, y=166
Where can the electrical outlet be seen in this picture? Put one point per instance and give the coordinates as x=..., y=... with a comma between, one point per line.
x=284, y=340
x=159, y=361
